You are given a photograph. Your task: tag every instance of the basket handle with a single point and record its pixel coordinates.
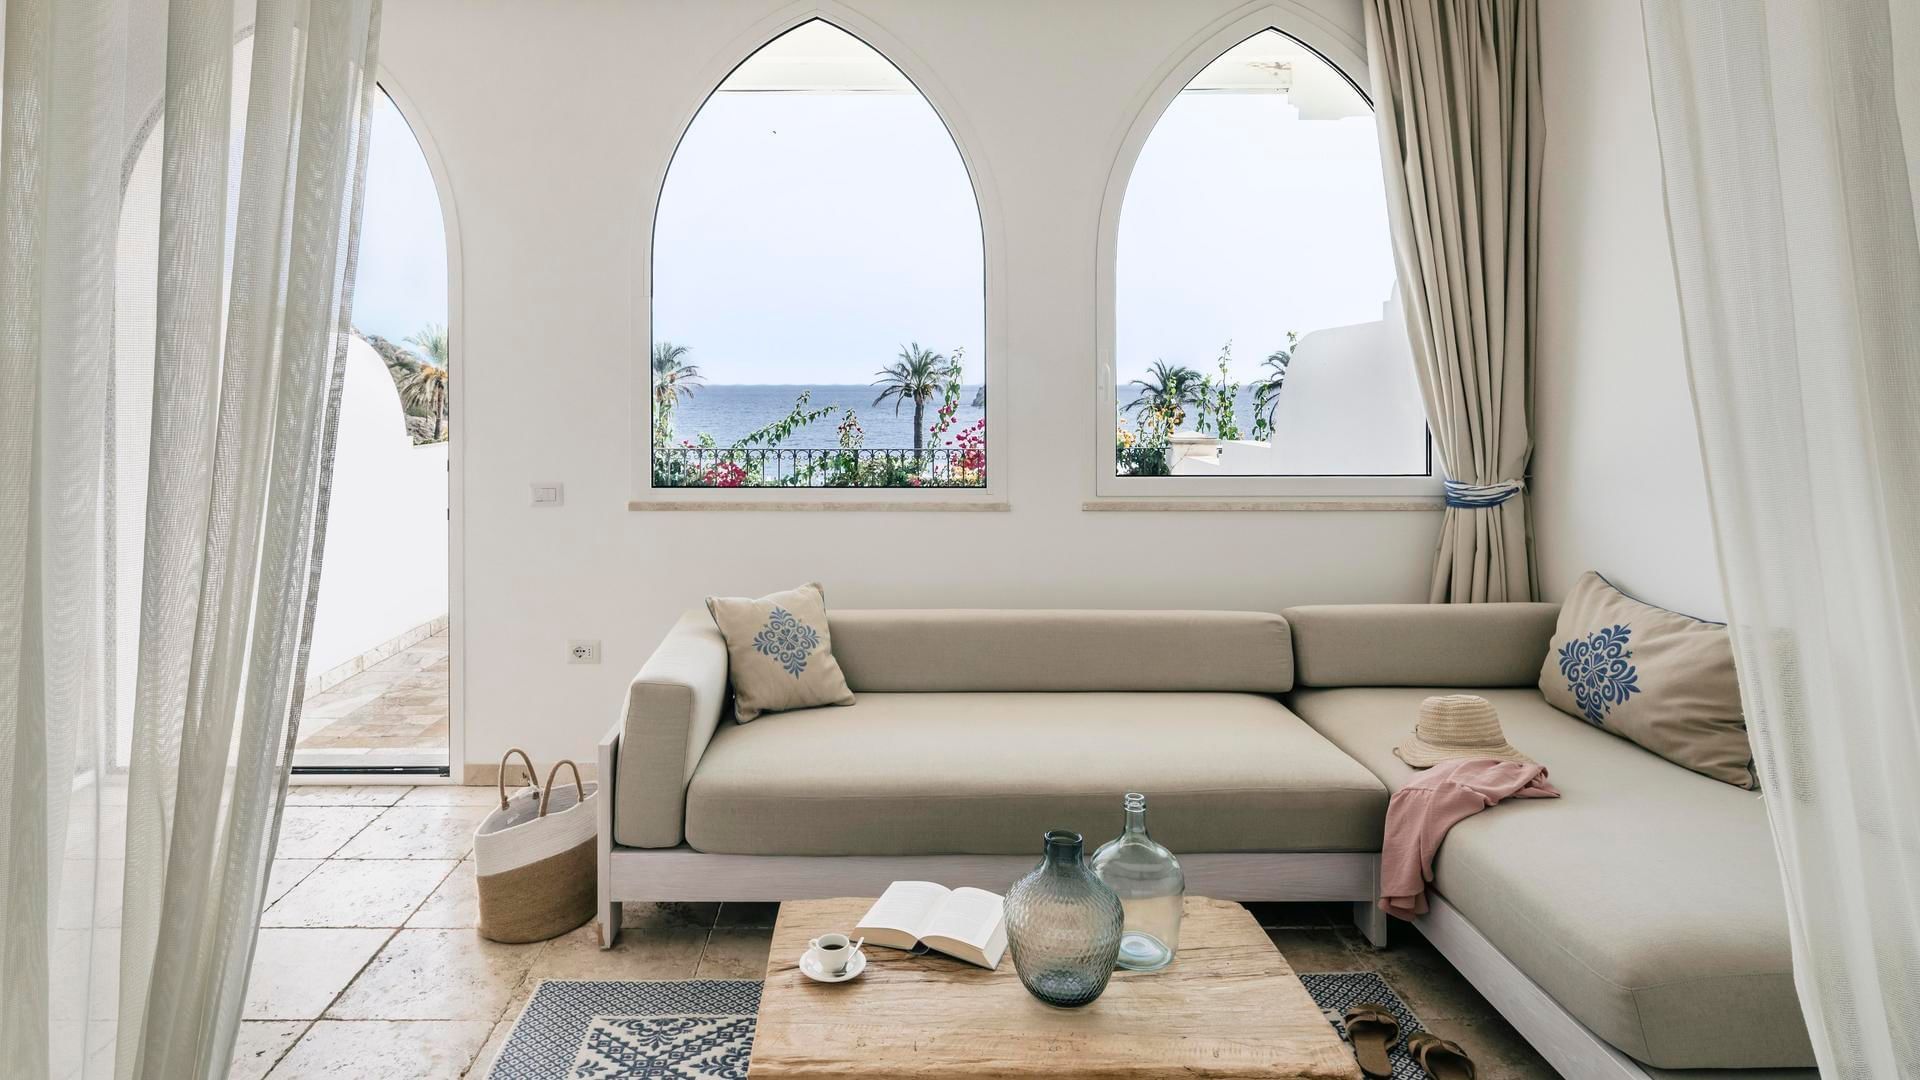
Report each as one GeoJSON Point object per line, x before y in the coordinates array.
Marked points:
{"type": "Point", "coordinates": [579, 787]}
{"type": "Point", "coordinates": [533, 774]}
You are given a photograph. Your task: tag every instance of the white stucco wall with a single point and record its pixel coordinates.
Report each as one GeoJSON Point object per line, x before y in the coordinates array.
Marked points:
{"type": "Point", "coordinates": [545, 167]}
{"type": "Point", "coordinates": [385, 567]}
{"type": "Point", "coordinates": [1618, 484]}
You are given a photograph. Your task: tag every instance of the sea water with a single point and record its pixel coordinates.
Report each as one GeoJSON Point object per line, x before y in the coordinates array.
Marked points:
{"type": "Point", "coordinates": [730, 411]}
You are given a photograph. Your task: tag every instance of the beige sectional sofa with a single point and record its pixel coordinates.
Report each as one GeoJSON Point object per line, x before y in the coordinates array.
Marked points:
{"type": "Point", "coordinates": [1633, 927]}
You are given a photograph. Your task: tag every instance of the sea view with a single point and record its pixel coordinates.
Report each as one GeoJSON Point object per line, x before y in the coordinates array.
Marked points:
{"type": "Point", "coordinates": [729, 411]}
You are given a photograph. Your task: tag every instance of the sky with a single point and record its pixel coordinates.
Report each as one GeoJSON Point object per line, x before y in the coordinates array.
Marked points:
{"type": "Point", "coordinates": [400, 284]}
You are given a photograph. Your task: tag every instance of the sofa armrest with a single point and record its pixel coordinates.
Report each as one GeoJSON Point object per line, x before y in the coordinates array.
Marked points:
{"type": "Point", "coordinates": [1450, 645]}
{"type": "Point", "coordinates": [673, 708]}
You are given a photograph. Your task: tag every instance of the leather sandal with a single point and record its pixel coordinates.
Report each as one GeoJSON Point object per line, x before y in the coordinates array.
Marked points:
{"type": "Point", "coordinates": [1372, 1030]}
{"type": "Point", "coordinates": [1441, 1058]}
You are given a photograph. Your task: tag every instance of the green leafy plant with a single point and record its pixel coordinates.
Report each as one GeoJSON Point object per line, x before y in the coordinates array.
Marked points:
{"type": "Point", "coordinates": [673, 379]}
{"type": "Point", "coordinates": [1266, 390]}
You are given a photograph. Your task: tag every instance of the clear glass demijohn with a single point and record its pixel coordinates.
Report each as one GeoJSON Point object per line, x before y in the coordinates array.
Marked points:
{"type": "Point", "coordinates": [1151, 886]}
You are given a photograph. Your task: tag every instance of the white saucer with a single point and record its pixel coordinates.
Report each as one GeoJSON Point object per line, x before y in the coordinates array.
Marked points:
{"type": "Point", "coordinates": [854, 967]}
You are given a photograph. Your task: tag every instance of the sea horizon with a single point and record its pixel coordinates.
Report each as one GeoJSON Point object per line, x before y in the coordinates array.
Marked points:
{"type": "Point", "coordinates": [729, 411]}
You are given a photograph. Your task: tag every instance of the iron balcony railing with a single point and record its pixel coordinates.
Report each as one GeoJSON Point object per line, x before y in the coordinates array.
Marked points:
{"type": "Point", "coordinates": [700, 466]}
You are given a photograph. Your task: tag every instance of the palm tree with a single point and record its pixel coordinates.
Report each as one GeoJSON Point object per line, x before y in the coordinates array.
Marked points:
{"type": "Point", "coordinates": [1165, 394]}
{"type": "Point", "coordinates": [917, 376]}
{"type": "Point", "coordinates": [1266, 389]}
{"type": "Point", "coordinates": [425, 393]}
{"type": "Point", "coordinates": [423, 390]}
{"type": "Point", "coordinates": [432, 340]}
{"type": "Point", "coordinates": [672, 379]}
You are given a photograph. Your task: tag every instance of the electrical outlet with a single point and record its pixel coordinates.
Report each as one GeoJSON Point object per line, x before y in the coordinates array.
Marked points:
{"type": "Point", "coordinates": [583, 651]}
{"type": "Point", "coordinates": [549, 493]}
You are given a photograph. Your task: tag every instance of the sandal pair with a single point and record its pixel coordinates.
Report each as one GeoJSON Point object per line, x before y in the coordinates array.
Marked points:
{"type": "Point", "coordinates": [1373, 1030]}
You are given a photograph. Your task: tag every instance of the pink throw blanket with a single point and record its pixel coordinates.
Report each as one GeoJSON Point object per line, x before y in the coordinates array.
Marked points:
{"type": "Point", "coordinates": [1439, 798]}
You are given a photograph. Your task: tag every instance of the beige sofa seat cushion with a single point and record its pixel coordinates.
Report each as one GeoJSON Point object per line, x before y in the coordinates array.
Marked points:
{"type": "Point", "coordinates": [1013, 650]}
{"type": "Point", "coordinates": [1646, 899]}
{"type": "Point", "coordinates": [983, 774]}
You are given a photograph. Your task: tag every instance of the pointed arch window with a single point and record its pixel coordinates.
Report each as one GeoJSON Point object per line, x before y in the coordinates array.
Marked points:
{"type": "Point", "coordinates": [817, 283]}
{"type": "Point", "coordinates": [1257, 344]}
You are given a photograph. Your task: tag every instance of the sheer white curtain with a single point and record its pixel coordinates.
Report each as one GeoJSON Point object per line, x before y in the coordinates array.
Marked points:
{"type": "Point", "coordinates": [1790, 192]}
{"type": "Point", "coordinates": [136, 831]}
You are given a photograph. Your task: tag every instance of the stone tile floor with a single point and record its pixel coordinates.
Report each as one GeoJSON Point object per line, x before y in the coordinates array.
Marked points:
{"type": "Point", "coordinates": [368, 964]}
{"type": "Point", "coordinates": [398, 705]}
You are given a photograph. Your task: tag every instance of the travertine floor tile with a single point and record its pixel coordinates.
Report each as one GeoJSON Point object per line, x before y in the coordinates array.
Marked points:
{"type": "Point", "coordinates": [453, 906]}
{"type": "Point", "coordinates": [286, 874]}
{"type": "Point", "coordinates": [650, 915]}
{"type": "Point", "coordinates": [652, 953]}
{"type": "Point", "coordinates": [344, 795]}
{"type": "Point", "coordinates": [260, 1044]}
{"type": "Point", "coordinates": [483, 1061]}
{"type": "Point", "coordinates": [436, 975]}
{"type": "Point", "coordinates": [1428, 983]}
{"type": "Point", "coordinates": [359, 892]}
{"type": "Point", "coordinates": [1316, 950]}
{"type": "Point", "coordinates": [296, 973]}
{"type": "Point", "coordinates": [1498, 1051]}
{"type": "Point", "coordinates": [386, 1049]}
{"type": "Point", "coordinates": [736, 954]}
{"type": "Point", "coordinates": [316, 832]}
{"type": "Point", "coordinates": [453, 795]}
{"type": "Point", "coordinates": [417, 832]}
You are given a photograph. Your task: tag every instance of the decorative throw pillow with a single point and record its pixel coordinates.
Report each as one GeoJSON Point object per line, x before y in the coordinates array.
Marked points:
{"type": "Point", "coordinates": [1653, 676]}
{"type": "Point", "coordinates": [778, 654]}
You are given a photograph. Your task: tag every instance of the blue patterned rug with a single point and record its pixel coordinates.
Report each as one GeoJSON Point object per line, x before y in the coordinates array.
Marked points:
{"type": "Point", "coordinates": [703, 1029]}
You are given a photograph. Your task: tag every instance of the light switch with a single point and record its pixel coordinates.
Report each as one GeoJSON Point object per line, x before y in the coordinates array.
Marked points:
{"type": "Point", "coordinates": [549, 494]}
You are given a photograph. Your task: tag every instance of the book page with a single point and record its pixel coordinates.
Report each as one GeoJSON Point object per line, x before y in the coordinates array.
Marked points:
{"type": "Point", "coordinates": [969, 915]}
{"type": "Point", "coordinates": [902, 912]}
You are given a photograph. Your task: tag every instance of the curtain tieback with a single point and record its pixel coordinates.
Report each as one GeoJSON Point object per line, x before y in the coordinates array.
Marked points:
{"type": "Point", "coordinates": [1480, 496]}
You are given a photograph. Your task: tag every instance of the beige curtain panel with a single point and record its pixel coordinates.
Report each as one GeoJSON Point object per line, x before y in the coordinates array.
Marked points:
{"type": "Point", "coordinates": [1456, 89]}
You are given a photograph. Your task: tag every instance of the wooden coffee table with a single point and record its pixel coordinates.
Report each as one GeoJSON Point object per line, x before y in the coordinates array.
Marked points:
{"type": "Point", "coordinates": [1228, 1007]}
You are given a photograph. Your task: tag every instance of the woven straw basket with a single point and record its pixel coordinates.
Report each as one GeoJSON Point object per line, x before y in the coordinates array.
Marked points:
{"type": "Point", "coordinates": [533, 859]}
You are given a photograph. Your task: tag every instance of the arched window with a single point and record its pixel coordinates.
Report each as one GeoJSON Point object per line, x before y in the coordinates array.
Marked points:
{"type": "Point", "coordinates": [389, 480]}
{"type": "Point", "coordinates": [1257, 332]}
{"type": "Point", "coordinates": [818, 311]}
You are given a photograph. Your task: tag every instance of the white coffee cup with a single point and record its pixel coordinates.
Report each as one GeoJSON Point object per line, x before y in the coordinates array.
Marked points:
{"type": "Point", "coordinates": [831, 953]}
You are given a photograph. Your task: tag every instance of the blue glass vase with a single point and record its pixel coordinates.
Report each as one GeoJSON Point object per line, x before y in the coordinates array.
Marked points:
{"type": "Point", "coordinates": [1063, 926]}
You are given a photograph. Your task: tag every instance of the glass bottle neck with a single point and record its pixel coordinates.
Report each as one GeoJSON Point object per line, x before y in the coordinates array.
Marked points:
{"type": "Point", "coordinates": [1063, 850]}
{"type": "Point", "coordinates": [1136, 821]}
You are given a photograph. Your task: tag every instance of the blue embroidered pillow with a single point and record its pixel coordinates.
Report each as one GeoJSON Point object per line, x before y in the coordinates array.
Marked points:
{"type": "Point", "coordinates": [1660, 678]}
{"type": "Point", "coordinates": [779, 654]}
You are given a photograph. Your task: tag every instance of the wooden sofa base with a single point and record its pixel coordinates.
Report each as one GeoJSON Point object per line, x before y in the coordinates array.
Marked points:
{"type": "Point", "coordinates": [682, 874]}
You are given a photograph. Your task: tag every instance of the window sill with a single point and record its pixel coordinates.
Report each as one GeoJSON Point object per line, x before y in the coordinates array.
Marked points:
{"type": "Point", "coordinates": [1267, 504]}
{"type": "Point", "coordinates": [870, 506]}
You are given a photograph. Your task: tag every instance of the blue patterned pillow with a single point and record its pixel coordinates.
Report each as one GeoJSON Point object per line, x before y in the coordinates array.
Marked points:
{"type": "Point", "coordinates": [1660, 678]}
{"type": "Point", "coordinates": [779, 654]}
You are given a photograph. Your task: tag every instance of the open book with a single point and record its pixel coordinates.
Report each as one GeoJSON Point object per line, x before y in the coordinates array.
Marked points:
{"type": "Point", "coordinates": [967, 924]}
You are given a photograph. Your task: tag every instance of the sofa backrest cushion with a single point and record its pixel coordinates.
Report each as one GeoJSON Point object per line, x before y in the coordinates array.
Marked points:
{"type": "Point", "coordinates": [1467, 645]}
{"type": "Point", "coordinates": [968, 650]}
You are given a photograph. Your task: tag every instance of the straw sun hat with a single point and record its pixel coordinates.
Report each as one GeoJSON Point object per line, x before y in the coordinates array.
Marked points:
{"type": "Point", "coordinates": [1456, 726]}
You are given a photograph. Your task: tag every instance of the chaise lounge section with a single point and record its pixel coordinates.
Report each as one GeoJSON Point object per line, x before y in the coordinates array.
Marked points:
{"type": "Point", "coordinates": [1635, 925]}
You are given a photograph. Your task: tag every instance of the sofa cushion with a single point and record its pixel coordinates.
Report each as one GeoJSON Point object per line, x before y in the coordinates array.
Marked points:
{"type": "Point", "coordinates": [1663, 679]}
{"type": "Point", "coordinates": [1016, 650]}
{"type": "Point", "coordinates": [1451, 645]}
{"type": "Point", "coordinates": [1646, 899]}
{"type": "Point", "coordinates": [987, 774]}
